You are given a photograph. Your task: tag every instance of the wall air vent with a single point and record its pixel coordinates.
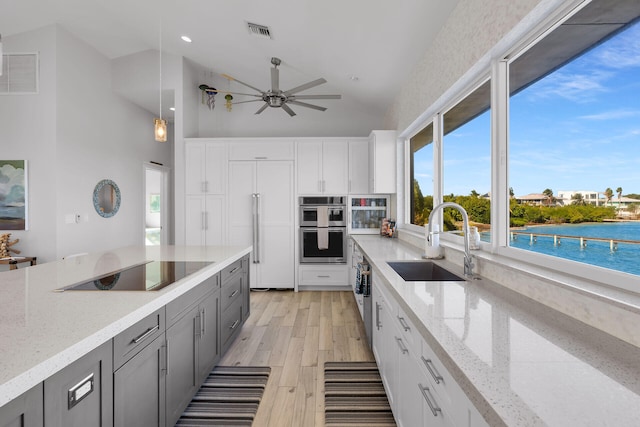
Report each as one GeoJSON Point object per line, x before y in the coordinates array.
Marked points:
{"type": "Point", "coordinates": [259, 30]}
{"type": "Point", "coordinates": [19, 74]}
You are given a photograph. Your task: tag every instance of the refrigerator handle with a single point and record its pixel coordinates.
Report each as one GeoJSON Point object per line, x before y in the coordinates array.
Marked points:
{"type": "Point", "coordinates": [256, 228]}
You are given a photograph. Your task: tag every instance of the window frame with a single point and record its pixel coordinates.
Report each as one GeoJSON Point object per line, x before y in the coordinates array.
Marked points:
{"type": "Point", "coordinates": [495, 66]}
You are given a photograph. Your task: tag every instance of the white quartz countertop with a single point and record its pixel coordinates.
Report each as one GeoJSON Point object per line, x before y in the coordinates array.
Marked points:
{"type": "Point", "coordinates": [521, 363]}
{"type": "Point", "coordinates": [43, 331]}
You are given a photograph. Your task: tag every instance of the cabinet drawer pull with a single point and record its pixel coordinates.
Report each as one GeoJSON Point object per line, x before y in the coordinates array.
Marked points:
{"type": "Point", "coordinates": [326, 276]}
{"type": "Point", "coordinates": [426, 393]}
{"type": "Point", "coordinates": [378, 324]}
{"type": "Point", "coordinates": [404, 349]}
{"type": "Point", "coordinates": [145, 335]}
{"type": "Point", "coordinates": [403, 323]}
{"type": "Point", "coordinates": [234, 270]}
{"type": "Point", "coordinates": [234, 293]}
{"type": "Point", "coordinates": [432, 370]}
{"type": "Point", "coordinates": [202, 322]}
{"type": "Point", "coordinates": [234, 324]}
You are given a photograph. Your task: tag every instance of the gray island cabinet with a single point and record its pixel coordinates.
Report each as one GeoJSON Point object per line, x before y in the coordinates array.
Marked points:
{"type": "Point", "coordinates": [146, 373]}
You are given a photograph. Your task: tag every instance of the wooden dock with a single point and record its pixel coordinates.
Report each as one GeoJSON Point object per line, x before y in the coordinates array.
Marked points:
{"type": "Point", "coordinates": [557, 238]}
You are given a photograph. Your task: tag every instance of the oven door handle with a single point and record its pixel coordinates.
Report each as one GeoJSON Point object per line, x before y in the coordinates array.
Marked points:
{"type": "Point", "coordinates": [256, 228]}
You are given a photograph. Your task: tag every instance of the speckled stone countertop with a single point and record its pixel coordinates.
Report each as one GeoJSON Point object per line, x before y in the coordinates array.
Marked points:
{"type": "Point", "coordinates": [520, 362]}
{"type": "Point", "coordinates": [43, 331]}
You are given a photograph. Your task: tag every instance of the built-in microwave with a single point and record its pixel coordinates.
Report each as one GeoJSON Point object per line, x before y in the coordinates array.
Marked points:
{"type": "Point", "coordinates": [335, 206]}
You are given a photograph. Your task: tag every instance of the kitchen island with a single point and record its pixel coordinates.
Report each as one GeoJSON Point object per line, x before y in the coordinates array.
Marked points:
{"type": "Point", "coordinates": [517, 361]}
{"type": "Point", "coordinates": [43, 330]}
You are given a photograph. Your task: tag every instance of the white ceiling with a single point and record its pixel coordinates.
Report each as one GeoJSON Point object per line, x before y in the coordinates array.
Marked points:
{"type": "Point", "coordinates": [379, 41]}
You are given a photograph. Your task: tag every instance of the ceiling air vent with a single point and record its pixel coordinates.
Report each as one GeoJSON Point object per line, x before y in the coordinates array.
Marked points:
{"type": "Point", "coordinates": [19, 73]}
{"type": "Point", "coordinates": [259, 30]}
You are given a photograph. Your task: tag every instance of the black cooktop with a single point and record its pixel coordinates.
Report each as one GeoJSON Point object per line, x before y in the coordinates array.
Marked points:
{"type": "Point", "coordinates": [150, 276]}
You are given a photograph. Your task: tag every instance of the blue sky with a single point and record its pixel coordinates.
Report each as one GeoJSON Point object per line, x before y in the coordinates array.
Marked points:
{"type": "Point", "coordinates": [576, 129]}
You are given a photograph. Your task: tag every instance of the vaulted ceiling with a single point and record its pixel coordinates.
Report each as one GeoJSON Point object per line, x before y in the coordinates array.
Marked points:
{"type": "Point", "coordinates": [365, 49]}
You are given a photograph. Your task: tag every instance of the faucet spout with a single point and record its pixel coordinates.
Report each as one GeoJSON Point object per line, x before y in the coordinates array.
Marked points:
{"type": "Point", "coordinates": [468, 261]}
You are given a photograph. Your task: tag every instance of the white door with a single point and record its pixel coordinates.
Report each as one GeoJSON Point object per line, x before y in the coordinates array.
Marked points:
{"type": "Point", "coordinates": [273, 181]}
{"type": "Point", "coordinates": [242, 184]}
{"type": "Point", "coordinates": [275, 186]}
{"type": "Point", "coordinates": [156, 208]}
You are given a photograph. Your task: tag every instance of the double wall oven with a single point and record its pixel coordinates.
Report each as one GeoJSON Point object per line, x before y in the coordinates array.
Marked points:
{"type": "Point", "coordinates": [323, 230]}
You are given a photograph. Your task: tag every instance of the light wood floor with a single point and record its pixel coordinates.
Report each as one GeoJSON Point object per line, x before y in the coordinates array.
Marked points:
{"type": "Point", "coordinates": [294, 334]}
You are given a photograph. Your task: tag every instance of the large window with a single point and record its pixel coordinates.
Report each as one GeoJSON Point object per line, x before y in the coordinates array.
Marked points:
{"type": "Point", "coordinates": [574, 138]}
{"type": "Point", "coordinates": [422, 173]}
{"type": "Point", "coordinates": [466, 156]}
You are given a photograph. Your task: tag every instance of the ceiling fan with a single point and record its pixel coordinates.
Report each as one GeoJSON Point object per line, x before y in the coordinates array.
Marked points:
{"type": "Point", "coordinates": [277, 98]}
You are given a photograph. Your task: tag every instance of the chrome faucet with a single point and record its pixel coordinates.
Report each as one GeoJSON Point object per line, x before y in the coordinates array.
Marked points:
{"type": "Point", "coordinates": [468, 261]}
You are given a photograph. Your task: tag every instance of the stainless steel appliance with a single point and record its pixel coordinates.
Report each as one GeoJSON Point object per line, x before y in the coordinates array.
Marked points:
{"type": "Point", "coordinates": [362, 291]}
{"type": "Point", "coordinates": [323, 230]}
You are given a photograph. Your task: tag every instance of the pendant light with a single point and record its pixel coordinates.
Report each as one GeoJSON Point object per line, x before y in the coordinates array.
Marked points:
{"type": "Point", "coordinates": [160, 125]}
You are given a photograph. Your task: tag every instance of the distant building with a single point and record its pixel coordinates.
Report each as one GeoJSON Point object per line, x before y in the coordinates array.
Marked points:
{"type": "Point", "coordinates": [536, 199]}
{"type": "Point", "coordinates": [590, 197]}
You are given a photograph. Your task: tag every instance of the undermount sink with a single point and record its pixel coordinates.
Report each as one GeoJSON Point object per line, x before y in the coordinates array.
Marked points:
{"type": "Point", "coordinates": [423, 271]}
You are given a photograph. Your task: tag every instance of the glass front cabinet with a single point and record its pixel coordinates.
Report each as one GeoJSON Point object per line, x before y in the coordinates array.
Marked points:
{"type": "Point", "coordinates": [366, 213]}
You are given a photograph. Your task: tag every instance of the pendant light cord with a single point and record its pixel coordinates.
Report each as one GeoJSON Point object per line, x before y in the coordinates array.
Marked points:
{"type": "Point", "coordinates": [160, 65]}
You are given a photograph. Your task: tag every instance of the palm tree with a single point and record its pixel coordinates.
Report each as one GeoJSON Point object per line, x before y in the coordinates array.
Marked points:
{"type": "Point", "coordinates": [608, 193]}
{"type": "Point", "coordinates": [578, 199]}
{"type": "Point", "coordinates": [619, 191]}
{"type": "Point", "coordinates": [549, 195]}
{"type": "Point", "coordinates": [511, 192]}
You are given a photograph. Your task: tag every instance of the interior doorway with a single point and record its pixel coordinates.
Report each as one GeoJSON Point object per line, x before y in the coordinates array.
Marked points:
{"type": "Point", "coordinates": [156, 212]}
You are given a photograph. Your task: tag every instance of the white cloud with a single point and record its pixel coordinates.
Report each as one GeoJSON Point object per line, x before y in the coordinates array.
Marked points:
{"type": "Point", "coordinates": [612, 115]}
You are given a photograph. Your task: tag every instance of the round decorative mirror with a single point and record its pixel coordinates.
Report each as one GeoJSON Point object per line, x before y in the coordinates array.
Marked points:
{"type": "Point", "coordinates": [106, 198]}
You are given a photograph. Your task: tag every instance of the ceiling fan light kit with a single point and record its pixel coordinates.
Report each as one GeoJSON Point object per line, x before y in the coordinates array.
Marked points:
{"type": "Point", "coordinates": [277, 98]}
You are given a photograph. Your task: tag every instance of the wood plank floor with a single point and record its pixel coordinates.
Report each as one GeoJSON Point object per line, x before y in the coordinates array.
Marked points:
{"type": "Point", "coordinates": [295, 333]}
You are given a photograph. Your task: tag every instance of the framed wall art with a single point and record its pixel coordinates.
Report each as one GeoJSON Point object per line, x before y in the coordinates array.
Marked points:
{"type": "Point", "coordinates": [13, 194]}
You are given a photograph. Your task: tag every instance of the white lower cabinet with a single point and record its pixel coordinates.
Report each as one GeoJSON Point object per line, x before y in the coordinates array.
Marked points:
{"type": "Point", "coordinates": [421, 392]}
{"type": "Point", "coordinates": [384, 343]}
{"type": "Point", "coordinates": [205, 220]}
{"type": "Point", "coordinates": [323, 277]}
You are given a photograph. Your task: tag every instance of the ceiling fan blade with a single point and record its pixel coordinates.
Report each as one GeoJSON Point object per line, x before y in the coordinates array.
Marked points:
{"type": "Point", "coordinates": [262, 108]}
{"type": "Point", "coordinates": [316, 97]}
{"type": "Point", "coordinates": [275, 80]}
{"type": "Point", "coordinates": [226, 76]}
{"type": "Point", "coordinates": [286, 108]}
{"type": "Point", "coordinates": [240, 93]}
{"type": "Point", "coordinates": [304, 86]}
{"type": "Point", "coordinates": [243, 102]}
{"type": "Point", "coordinates": [304, 104]}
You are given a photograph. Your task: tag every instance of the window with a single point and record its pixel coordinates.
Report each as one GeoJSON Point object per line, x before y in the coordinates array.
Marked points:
{"type": "Point", "coordinates": [422, 172]}
{"type": "Point", "coordinates": [574, 136]}
{"type": "Point", "coordinates": [467, 160]}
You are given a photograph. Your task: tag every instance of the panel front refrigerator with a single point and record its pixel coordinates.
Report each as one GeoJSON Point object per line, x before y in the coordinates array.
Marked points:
{"type": "Point", "coordinates": [366, 213]}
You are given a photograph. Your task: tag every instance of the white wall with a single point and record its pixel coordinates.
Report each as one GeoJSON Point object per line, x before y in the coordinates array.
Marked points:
{"type": "Point", "coordinates": [73, 134]}
{"type": "Point", "coordinates": [472, 30]}
{"type": "Point", "coordinates": [28, 131]}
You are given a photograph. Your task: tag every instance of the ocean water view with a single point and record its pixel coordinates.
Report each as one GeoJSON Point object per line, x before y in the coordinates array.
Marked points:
{"type": "Point", "coordinates": [625, 258]}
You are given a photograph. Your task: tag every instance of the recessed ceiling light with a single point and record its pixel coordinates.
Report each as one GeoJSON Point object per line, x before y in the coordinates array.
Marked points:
{"type": "Point", "coordinates": [172, 108]}
{"type": "Point", "coordinates": [186, 39]}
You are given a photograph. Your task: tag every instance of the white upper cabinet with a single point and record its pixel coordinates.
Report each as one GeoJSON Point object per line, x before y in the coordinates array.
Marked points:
{"type": "Point", "coordinates": [335, 166]}
{"type": "Point", "coordinates": [359, 166]}
{"type": "Point", "coordinates": [261, 149]}
{"type": "Point", "coordinates": [382, 161]}
{"type": "Point", "coordinates": [323, 166]}
{"type": "Point", "coordinates": [206, 167]}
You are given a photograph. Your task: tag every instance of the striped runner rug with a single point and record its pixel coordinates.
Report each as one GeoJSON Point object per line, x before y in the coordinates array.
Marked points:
{"type": "Point", "coordinates": [354, 395]}
{"type": "Point", "coordinates": [229, 397]}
